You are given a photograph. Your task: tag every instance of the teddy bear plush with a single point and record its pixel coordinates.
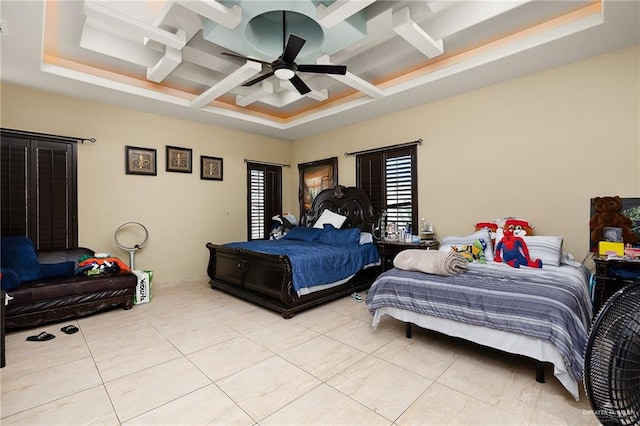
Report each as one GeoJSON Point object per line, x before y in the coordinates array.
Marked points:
{"type": "Point", "coordinates": [608, 214]}
{"type": "Point", "coordinates": [514, 251]}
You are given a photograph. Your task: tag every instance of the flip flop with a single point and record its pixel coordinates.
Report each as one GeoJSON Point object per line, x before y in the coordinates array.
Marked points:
{"type": "Point", "coordinates": [69, 329]}
{"type": "Point", "coordinates": [44, 336]}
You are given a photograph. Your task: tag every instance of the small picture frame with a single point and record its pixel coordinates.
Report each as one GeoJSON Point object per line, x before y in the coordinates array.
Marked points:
{"type": "Point", "coordinates": [179, 159]}
{"type": "Point", "coordinates": [612, 234]}
{"type": "Point", "coordinates": [210, 168]}
{"type": "Point", "coordinates": [140, 161]}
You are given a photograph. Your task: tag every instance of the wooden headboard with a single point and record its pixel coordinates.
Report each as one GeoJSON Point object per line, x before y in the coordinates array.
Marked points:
{"type": "Point", "coordinates": [351, 202]}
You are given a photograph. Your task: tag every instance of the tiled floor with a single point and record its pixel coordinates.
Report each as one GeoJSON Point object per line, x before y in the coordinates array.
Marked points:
{"type": "Point", "coordinates": [197, 356]}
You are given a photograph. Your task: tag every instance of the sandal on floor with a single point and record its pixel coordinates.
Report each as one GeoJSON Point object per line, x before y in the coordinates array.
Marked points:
{"type": "Point", "coordinates": [356, 296]}
{"type": "Point", "coordinates": [42, 337]}
{"type": "Point", "coordinates": [69, 329]}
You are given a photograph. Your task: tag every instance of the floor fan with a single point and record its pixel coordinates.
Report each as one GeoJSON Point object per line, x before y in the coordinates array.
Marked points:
{"type": "Point", "coordinates": [612, 360]}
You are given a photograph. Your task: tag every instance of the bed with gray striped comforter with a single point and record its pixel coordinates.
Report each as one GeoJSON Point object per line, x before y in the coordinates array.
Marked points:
{"type": "Point", "coordinates": [551, 304]}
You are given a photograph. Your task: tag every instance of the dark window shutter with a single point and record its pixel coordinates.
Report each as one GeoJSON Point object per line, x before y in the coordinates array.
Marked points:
{"type": "Point", "coordinates": [389, 177]}
{"type": "Point", "coordinates": [39, 190]}
{"type": "Point", "coordinates": [264, 198]}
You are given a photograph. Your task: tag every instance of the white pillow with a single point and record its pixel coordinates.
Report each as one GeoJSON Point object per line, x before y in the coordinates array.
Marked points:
{"type": "Point", "coordinates": [366, 238]}
{"type": "Point", "coordinates": [328, 216]}
{"type": "Point", "coordinates": [544, 247]}
{"type": "Point", "coordinates": [481, 234]}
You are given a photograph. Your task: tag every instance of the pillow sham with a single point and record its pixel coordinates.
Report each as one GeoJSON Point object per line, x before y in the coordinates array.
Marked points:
{"type": "Point", "coordinates": [339, 237]}
{"type": "Point", "coordinates": [303, 233]}
{"type": "Point", "coordinates": [481, 234]}
{"type": "Point", "coordinates": [366, 238]}
{"type": "Point", "coordinates": [328, 216]}
{"type": "Point", "coordinates": [544, 247]}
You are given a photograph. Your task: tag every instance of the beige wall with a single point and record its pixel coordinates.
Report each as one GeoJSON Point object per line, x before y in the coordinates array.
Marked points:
{"type": "Point", "coordinates": [181, 212]}
{"type": "Point", "coordinates": [538, 147]}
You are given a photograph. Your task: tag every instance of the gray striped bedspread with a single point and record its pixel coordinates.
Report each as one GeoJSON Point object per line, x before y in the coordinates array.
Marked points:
{"type": "Point", "coordinates": [551, 304]}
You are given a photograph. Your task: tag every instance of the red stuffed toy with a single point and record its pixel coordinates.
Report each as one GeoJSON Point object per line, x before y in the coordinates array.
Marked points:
{"type": "Point", "coordinates": [514, 251]}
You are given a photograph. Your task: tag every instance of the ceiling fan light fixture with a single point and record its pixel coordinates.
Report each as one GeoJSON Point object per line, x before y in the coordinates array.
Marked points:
{"type": "Point", "coordinates": [284, 73]}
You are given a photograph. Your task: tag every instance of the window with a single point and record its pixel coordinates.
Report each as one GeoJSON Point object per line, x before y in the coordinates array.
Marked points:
{"type": "Point", "coordinates": [38, 189]}
{"type": "Point", "coordinates": [389, 177]}
{"type": "Point", "coordinates": [264, 198]}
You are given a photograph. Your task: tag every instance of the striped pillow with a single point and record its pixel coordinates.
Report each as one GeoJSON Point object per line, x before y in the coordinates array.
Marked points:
{"type": "Point", "coordinates": [543, 247]}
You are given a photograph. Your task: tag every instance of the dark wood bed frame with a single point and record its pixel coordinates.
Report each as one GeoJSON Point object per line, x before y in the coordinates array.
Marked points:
{"type": "Point", "coordinates": [267, 279]}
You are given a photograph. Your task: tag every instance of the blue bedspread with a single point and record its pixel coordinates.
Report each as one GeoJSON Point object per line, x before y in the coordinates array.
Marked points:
{"type": "Point", "coordinates": [314, 263]}
{"type": "Point", "coordinates": [550, 304]}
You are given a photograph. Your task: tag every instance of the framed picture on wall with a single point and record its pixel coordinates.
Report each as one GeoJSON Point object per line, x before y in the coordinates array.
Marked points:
{"type": "Point", "coordinates": [140, 161]}
{"type": "Point", "coordinates": [178, 159]}
{"type": "Point", "coordinates": [314, 177]}
{"type": "Point", "coordinates": [210, 168]}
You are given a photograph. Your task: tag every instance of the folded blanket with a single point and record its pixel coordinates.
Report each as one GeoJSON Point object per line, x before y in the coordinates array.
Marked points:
{"type": "Point", "coordinates": [431, 262]}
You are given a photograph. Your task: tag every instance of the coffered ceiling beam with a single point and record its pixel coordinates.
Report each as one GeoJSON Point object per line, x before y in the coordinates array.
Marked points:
{"type": "Point", "coordinates": [166, 65]}
{"type": "Point", "coordinates": [105, 14]}
{"type": "Point", "coordinates": [338, 11]}
{"type": "Point", "coordinates": [172, 17]}
{"type": "Point", "coordinates": [404, 26]}
{"type": "Point", "coordinates": [214, 11]}
{"type": "Point", "coordinates": [354, 81]}
{"type": "Point", "coordinates": [108, 44]}
{"type": "Point", "coordinates": [242, 74]}
{"type": "Point", "coordinates": [266, 89]}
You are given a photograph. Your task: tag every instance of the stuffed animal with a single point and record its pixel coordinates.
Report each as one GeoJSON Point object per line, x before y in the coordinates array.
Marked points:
{"type": "Point", "coordinates": [514, 251]}
{"type": "Point", "coordinates": [473, 251]}
{"type": "Point", "coordinates": [608, 214]}
{"type": "Point", "coordinates": [491, 226]}
{"type": "Point", "coordinates": [520, 227]}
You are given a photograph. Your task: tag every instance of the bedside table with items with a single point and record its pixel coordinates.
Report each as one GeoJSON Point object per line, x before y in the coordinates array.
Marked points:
{"type": "Point", "coordinates": [612, 275]}
{"type": "Point", "coordinates": [390, 248]}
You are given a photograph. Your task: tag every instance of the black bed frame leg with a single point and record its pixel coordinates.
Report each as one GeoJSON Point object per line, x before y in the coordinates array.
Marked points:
{"type": "Point", "coordinates": [408, 332]}
{"type": "Point", "coordinates": [539, 372]}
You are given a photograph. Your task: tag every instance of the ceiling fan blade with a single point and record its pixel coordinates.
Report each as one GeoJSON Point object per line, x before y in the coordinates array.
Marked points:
{"type": "Point", "coordinates": [324, 69]}
{"type": "Point", "coordinates": [294, 45]}
{"type": "Point", "coordinates": [300, 85]}
{"type": "Point", "coordinates": [233, 55]}
{"type": "Point", "coordinates": [258, 79]}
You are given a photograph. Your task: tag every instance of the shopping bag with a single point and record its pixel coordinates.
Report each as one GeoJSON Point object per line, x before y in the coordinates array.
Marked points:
{"type": "Point", "coordinates": [143, 288]}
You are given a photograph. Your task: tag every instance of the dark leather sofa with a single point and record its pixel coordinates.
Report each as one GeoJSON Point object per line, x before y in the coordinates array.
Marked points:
{"type": "Point", "coordinates": [51, 300]}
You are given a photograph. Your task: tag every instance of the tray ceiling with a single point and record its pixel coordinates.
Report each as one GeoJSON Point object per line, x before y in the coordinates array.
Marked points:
{"type": "Point", "coordinates": [167, 56]}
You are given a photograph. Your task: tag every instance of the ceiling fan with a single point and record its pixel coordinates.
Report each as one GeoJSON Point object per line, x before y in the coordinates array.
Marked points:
{"type": "Point", "coordinates": [284, 66]}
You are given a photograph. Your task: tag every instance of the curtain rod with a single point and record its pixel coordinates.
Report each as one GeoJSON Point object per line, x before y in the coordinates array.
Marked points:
{"type": "Point", "coordinates": [384, 148]}
{"type": "Point", "coordinates": [266, 163]}
{"type": "Point", "coordinates": [50, 136]}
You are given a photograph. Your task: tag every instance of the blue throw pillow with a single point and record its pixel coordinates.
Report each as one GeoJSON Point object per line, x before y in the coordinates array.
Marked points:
{"type": "Point", "coordinates": [55, 270]}
{"type": "Point", "coordinates": [9, 280]}
{"type": "Point", "coordinates": [303, 233]}
{"type": "Point", "coordinates": [19, 254]}
{"type": "Point", "coordinates": [339, 237]}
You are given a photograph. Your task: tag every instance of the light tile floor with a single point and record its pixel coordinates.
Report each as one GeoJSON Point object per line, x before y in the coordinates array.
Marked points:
{"type": "Point", "coordinates": [199, 356]}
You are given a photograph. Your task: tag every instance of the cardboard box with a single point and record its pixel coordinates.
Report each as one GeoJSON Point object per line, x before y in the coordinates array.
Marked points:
{"type": "Point", "coordinates": [143, 288]}
{"type": "Point", "coordinates": [610, 248]}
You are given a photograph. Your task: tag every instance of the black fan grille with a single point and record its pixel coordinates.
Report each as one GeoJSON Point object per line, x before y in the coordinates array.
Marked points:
{"type": "Point", "coordinates": [612, 360]}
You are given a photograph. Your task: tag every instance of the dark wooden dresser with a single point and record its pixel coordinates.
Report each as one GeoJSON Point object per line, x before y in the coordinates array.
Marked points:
{"type": "Point", "coordinates": [612, 275]}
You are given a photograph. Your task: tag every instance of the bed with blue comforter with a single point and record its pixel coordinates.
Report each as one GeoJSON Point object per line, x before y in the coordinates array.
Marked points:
{"type": "Point", "coordinates": [542, 313]}
{"type": "Point", "coordinates": [311, 265]}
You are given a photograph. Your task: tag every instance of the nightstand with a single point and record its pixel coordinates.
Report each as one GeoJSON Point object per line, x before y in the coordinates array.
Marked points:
{"type": "Point", "coordinates": [390, 248]}
{"type": "Point", "coordinates": [611, 276]}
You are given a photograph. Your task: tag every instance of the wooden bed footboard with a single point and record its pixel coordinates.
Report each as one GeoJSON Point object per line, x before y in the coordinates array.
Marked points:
{"type": "Point", "coordinates": [267, 280]}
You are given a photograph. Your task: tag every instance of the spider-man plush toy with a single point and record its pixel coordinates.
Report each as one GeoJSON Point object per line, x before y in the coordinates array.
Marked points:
{"type": "Point", "coordinates": [514, 251]}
